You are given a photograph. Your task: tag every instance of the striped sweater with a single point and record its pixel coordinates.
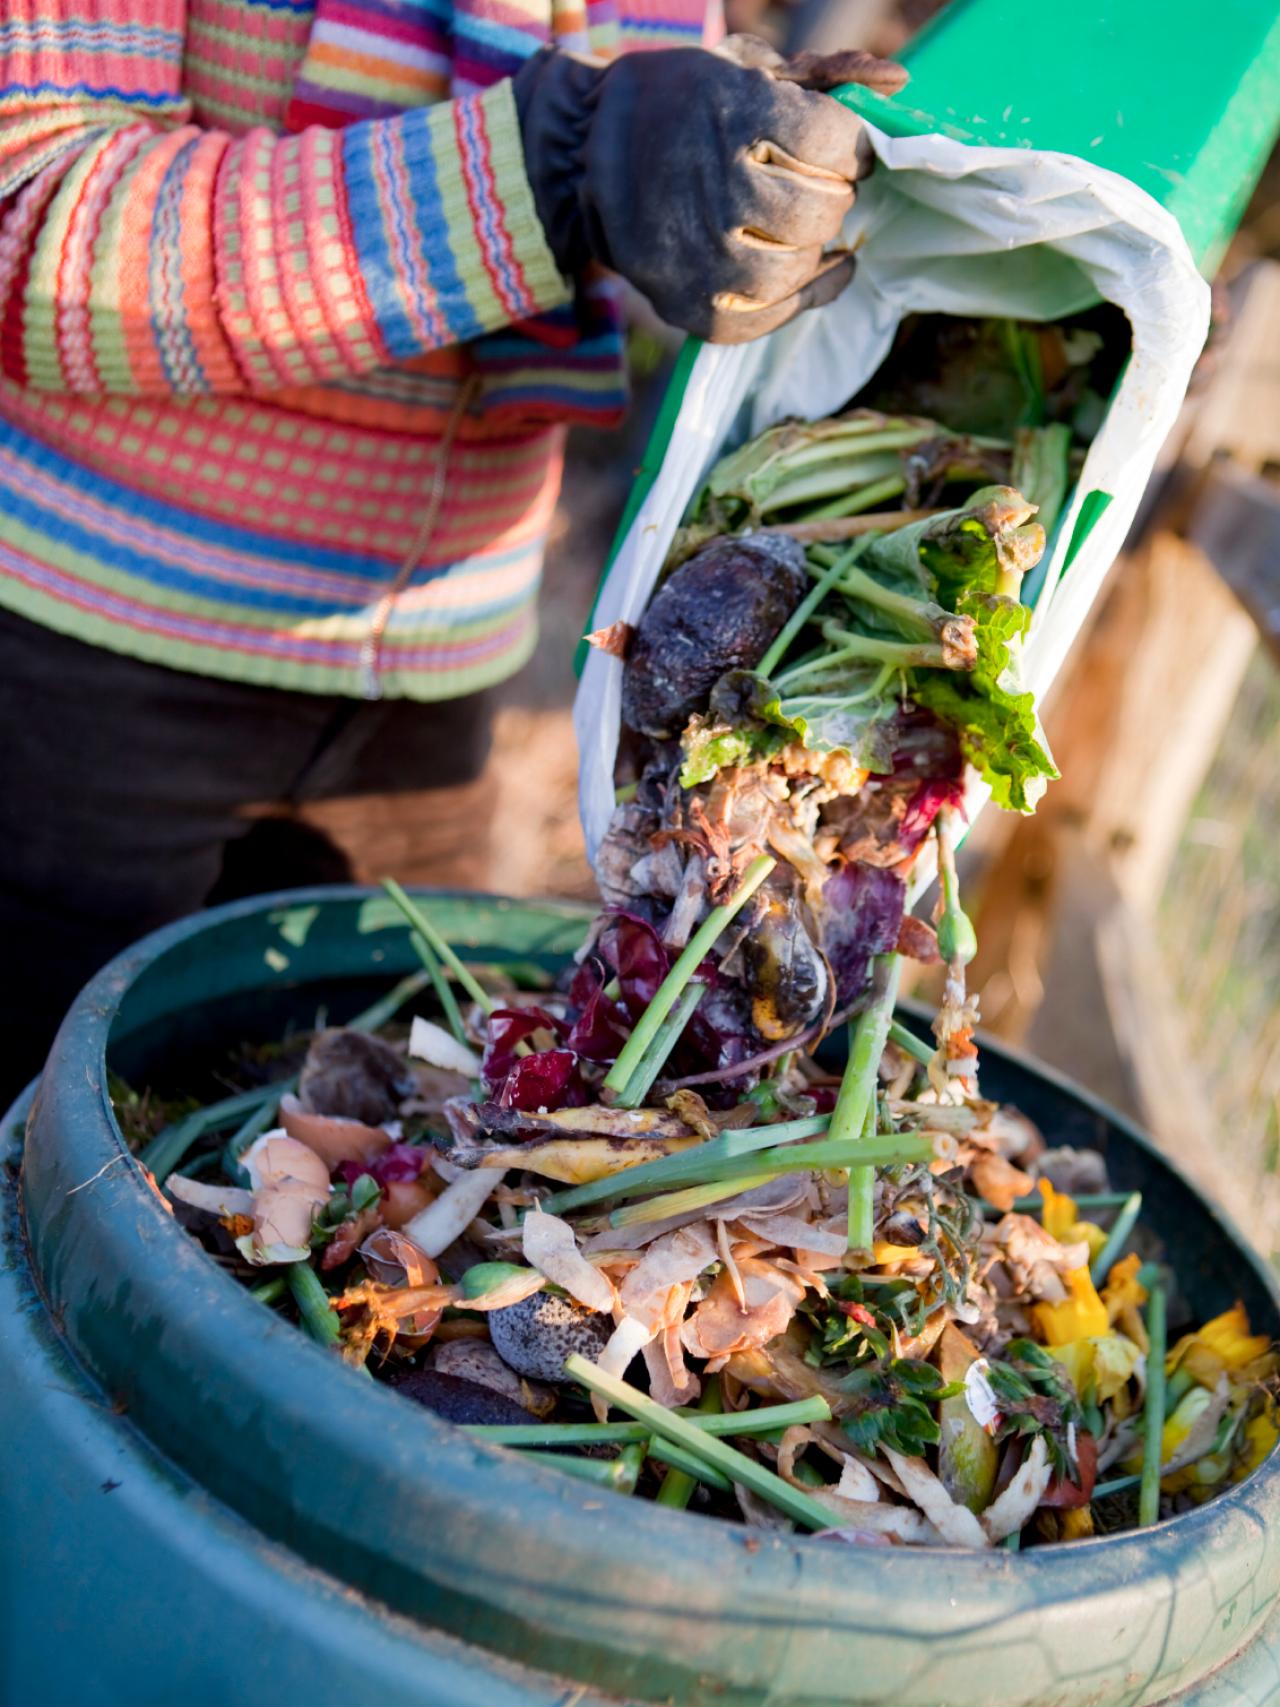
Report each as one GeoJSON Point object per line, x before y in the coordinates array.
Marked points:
{"type": "Point", "coordinates": [284, 357]}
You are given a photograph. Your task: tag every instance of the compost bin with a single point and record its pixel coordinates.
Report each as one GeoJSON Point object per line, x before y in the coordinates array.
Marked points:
{"type": "Point", "coordinates": [203, 1505]}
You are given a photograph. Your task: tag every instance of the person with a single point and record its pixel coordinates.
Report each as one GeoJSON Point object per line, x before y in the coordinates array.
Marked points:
{"type": "Point", "coordinates": [296, 299]}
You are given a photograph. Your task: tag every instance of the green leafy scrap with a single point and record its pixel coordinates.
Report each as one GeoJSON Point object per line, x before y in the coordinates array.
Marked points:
{"type": "Point", "coordinates": [893, 1404]}
{"type": "Point", "coordinates": [1035, 1396]}
{"type": "Point", "coordinates": [748, 721]}
{"type": "Point", "coordinates": [991, 713]}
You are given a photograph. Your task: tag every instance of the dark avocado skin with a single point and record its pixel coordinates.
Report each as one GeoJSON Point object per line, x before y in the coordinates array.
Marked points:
{"type": "Point", "coordinates": [716, 612]}
{"type": "Point", "coordinates": [459, 1400]}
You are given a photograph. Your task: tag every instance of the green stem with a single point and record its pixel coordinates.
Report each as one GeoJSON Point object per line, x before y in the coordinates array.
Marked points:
{"type": "Point", "coordinates": [1041, 470]}
{"type": "Point", "coordinates": [678, 1484]}
{"type": "Point", "coordinates": [1116, 1239]}
{"type": "Point", "coordinates": [835, 475]}
{"type": "Point", "coordinates": [618, 1474]}
{"type": "Point", "coordinates": [865, 498]}
{"type": "Point", "coordinates": [1087, 1200]}
{"type": "Point", "coordinates": [687, 1166]}
{"type": "Point", "coordinates": [318, 1316]}
{"type": "Point", "coordinates": [700, 945]}
{"type": "Point", "coordinates": [917, 616]}
{"type": "Point", "coordinates": [868, 649]}
{"type": "Point", "coordinates": [763, 1420]}
{"type": "Point", "coordinates": [440, 984]}
{"type": "Point", "coordinates": [685, 1471]}
{"type": "Point", "coordinates": [805, 609]}
{"type": "Point", "coordinates": [855, 1111]}
{"type": "Point", "coordinates": [862, 1195]}
{"type": "Point", "coordinates": [855, 439]}
{"type": "Point", "coordinates": [269, 1291]}
{"type": "Point", "coordinates": [422, 924]}
{"type": "Point", "coordinates": [867, 1037]}
{"type": "Point", "coordinates": [957, 939]}
{"type": "Point", "coordinates": [910, 1044]}
{"type": "Point", "coordinates": [737, 1176]}
{"type": "Point", "coordinates": [678, 1431]}
{"type": "Point", "coordinates": [655, 1059]}
{"type": "Point", "coordinates": [683, 1202]}
{"type": "Point", "coordinates": [1117, 1486]}
{"type": "Point", "coordinates": [1149, 1495]}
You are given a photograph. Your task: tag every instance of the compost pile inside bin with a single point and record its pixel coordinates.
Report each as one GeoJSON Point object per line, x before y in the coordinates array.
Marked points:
{"type": "Point", "coordinates": [637, 1223]}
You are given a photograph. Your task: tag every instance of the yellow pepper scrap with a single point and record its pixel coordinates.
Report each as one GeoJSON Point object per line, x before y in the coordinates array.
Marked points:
{"type": "Point", "coordinates": [1081, 1315]}
{"type": "Point", "coordinates": [1076, 1523]}
{"type": "Point", "coordinates": [1104, 1362]}
{"type": "Point", "coordinates": [1123, 1286]}
{"type": "Point", "coordinates": [883, 1252]}
{"type": "Point", "coordinates": [1115, 1358]}
{"type": "Point", "coordinates": [1059, 1212]}
{"type": "Point", "coordinates": [1076, 1357]}
{"type": "Point", "coordinates": [1260, 1435]}
{"type": "Point", "coordinates": [1224, 1343]}
{"type": "Point", "coordinates": [1061, 1219]}
{"type": "Point", "coordinates": [1123, 1296]}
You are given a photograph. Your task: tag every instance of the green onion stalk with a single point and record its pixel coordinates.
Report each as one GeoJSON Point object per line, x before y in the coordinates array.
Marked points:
{"type": "Point", "coordinates": [665, 1039]}
{"type": "Point", "coordinates": [678, 1431]}
{"type": "Point", "coordinates": [851, 648]}
{"type": "Point", "coordinates": [441, 985]}
{"type": "Point", "coordinates": [856, 1102]}
{"type": "Point", "coordinates": [318, 1315]}
{"type": "Point", "coordinates": [1117, 1238]}
{"type": "Point", "coordinates": [619, 1474]}
{"type": "Point", "coordinates": [742, 1173]}
{"type": "Point", "coordinates": [1154, 1409]}
{"type": "Point", "coordinates": [758, 1423]}
{"type": "Point", "coordinates": [420, 923]}
{"type": "Point", "coordinates": [645, 1035]}
{"type": "Point", "coordinates": [689, 1166]}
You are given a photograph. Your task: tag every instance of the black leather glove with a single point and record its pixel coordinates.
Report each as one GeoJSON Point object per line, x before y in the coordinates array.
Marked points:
{"type": "Point", "coordinates": [712, 185]}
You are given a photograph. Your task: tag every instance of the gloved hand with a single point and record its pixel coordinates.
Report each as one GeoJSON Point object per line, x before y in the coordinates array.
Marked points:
{"type": "Point", "coordinates": [712, 182]}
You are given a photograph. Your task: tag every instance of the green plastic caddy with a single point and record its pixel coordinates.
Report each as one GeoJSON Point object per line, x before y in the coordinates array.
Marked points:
{"type": "Point", "coordinates": [1182, 97]}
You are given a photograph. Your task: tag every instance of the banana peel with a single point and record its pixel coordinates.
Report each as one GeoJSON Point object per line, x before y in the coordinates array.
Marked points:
{"type": "Point", "coordinates": [580, 1161]}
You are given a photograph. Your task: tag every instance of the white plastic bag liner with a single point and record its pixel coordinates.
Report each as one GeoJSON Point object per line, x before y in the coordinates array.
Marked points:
{"type": "Point", "coordinates": [947, 228]}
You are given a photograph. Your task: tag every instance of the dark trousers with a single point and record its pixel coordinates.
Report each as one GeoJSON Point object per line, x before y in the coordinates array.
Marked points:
{"type": "Point", "coordinates": [133, 794]}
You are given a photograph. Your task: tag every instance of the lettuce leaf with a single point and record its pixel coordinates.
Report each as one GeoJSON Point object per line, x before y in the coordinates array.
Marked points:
{"type": "Point", "coordinates": [748, 721]}
{"type": "Point", "coordinates": [993, 715]}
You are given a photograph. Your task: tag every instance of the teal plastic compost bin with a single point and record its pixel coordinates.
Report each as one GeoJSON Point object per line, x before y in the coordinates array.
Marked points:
{"type": "Point", "coordinates": [199, 1505]}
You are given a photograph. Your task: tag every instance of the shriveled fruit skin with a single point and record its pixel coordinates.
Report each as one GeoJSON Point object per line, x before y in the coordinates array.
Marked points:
{"type": "Point", "coordinates": [535, 1336]}
{"type": "Point", "coordinates": [459, 1400]}
{"type": "Point", "coordinates": [354, 1076]}
{"type": "Point", "coordinates": [786, 975]}
{"type": "Point", "coordinates": [717, 612]}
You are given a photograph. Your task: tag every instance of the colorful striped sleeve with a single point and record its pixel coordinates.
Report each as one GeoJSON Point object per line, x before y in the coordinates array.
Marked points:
{"type": "Point", "coordinates": [142, 254]}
